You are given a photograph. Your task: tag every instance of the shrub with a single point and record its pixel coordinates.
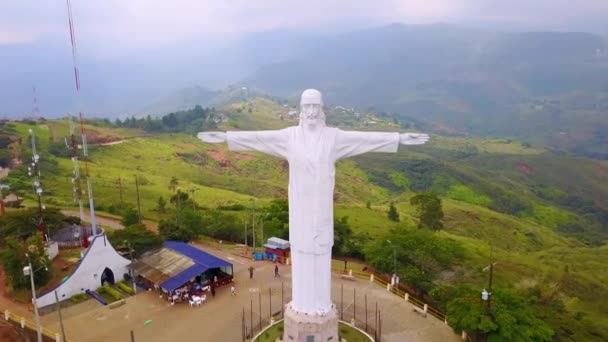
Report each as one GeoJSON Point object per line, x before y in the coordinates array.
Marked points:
{"type": "Point", "coordinates": [112, 292]}
{"type": "Point", "coordinates": [79, 297]}
{"type": "Point", "coordinates": [232, 207]}
{"type": "Point", "coordinates": [124, 287]}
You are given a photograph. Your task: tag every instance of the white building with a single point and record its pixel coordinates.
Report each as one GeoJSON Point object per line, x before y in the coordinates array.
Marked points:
{"type": "Point", "coordinates": [100, 263]}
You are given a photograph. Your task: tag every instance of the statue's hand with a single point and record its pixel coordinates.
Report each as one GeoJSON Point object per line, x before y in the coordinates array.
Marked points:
{"type": "Point", "coordinates": [413, 138]}
{"type": "Point", "coordinates": [212, 137]}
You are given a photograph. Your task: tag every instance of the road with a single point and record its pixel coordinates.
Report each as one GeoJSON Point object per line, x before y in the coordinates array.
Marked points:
{"type": "Point", "coordinates": [220, 318]}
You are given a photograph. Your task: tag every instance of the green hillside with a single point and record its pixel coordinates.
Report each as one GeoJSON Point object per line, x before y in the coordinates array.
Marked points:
{"type": "Point", "coordinates": [543, 217]}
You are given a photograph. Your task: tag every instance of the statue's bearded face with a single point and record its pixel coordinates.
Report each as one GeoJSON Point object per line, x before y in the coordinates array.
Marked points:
{"type": "Point", "coordinates": [310, 111]}
{"type": "Point", "coordinates": [311, 108]}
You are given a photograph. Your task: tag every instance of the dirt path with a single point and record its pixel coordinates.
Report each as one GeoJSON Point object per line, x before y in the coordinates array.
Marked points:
{"type": "Point", "coordinates": [108, 221]}
{"type": "Point", "coordinates": [7, 303]}
{"type": "Point", "coordinates": [113, 143]}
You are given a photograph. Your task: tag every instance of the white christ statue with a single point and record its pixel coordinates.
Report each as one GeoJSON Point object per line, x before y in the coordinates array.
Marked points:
{"type": "Point", "coordinates": [312, 149]}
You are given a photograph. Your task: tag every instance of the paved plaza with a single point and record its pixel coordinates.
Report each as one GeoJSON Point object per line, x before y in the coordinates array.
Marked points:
{"type": "Point", "coordinates": [220, 317]}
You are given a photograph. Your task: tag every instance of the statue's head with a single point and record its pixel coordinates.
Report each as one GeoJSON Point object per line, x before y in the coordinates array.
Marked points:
{"type": "Point", "coordinates": [311, 108]}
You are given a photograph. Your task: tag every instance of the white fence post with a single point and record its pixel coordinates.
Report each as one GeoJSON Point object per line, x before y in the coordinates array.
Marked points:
{"type": "Point", "coordinates": [371, 278]}
{"type": "Point", "coordinates": [406, 297]}
{"type": "Point", "coordinates": [426, 308]}
{"type": "Point", "coordinates": [350, 273]}
{"type": "Point", "coordinates": [388, 287]}
{"type": "Point", "coordinates": [7, 314]}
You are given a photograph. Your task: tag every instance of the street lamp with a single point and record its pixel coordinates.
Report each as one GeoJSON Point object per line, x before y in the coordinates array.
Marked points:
{"type": "Point", "coordinates": [76, 235]}
{"type": "Point", "coordinates": [487, 295]}
{"type": "Point", "coordinates": [131, 268]}
{"type": "Point", "coordinates": [34, 171]}
{"type": "Point", "coordinates": [27, 270]}
{"type": "Point", "coordinates": [394, 281]}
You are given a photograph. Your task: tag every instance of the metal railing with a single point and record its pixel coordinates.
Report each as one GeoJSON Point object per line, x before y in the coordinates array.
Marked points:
{"type": "Point", "coordinates": [379, 280]}
{"type": "Point", "coordinates": [24, 323]}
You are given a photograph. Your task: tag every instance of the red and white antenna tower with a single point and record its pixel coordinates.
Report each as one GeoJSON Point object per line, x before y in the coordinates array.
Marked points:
{"type": "Point", "coordinates": [35, 111]}
{"type": "Point", "coordinates": [83, 136]}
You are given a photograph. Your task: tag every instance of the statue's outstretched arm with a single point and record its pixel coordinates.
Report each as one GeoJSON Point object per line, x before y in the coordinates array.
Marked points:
{"type": "Point", "coordinates": [212, 137]}
{"type": "Point", "coordinates": [413, 138]}
{"type": "Point", "coordinates": [269, 142]}
{"type": "Point", "coordinates": [352, 143]}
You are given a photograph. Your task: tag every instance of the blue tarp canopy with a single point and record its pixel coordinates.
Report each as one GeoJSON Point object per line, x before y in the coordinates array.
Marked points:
{"type": "Point", "coordinates": [202, 262]}
{"type": "Point", "coordinates": [178, 280]}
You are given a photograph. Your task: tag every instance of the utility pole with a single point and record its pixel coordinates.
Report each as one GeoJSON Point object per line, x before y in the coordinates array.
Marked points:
{"type": "Point", "coordinates": [394, 278]}
{"type": "Point", "coordinates": [30, 271]}
{"type": "Point", "coordinates": [138, 201]}
{"type": "Point", "coordinates": [246, 247]}
{"type": "Point", "coordinates": [130, 268]}
{"type": "Point", "coordinates": [178, 199]}
{"type": "Point", "coordinates": [192, 191]}
{"type": "Point", "coordinates": [487, 295]}
{"type": "Point", "coordinates": [253, 225]}
{"type": "Point", "coordinates": [262, 230]}
{"type": "Point", "coordinates": [60, 317]}
{"type": "Point", "coordinates": [490, 287]}
{"type": "Point", "coordinates": [120, 190]}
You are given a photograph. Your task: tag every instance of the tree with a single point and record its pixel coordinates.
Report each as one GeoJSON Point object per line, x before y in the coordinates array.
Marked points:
{"type": "Point", "coordinates": [392, 213]}
{"type": "Point", "coordinates": [161, 205]}
{"type": "Point", "coordinates": [346, 243]}
{"type": "Point", "coordinates": [169, 230]}
{"type": "Point", "coordinates": [428, 210]}
{"type": "Point", "coordinates": [14, 259]}
{"type": "Point", "coordinates": [276, 219]}
{"type": "Point", "coordinates": [23, 223]}
{"type": "Point", "coordinates": [511, 317]}
{"type": "Point", "coordinates": [137, 236]}
{"type": "Point", "coordinates": [130, 217]}
{"type": "Point", "coordinates": [223, 226]}
{"type": "Point", "coordinates": [173, 183]}
{"type": "Point", "coordinates": [421, 256]}
{"type": "Point", "coordinates": [342, 233]}
{"type": "Point", "coordinates": [179, 197]}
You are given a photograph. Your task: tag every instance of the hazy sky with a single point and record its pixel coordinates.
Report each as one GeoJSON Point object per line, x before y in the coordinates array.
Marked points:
{"type": "Point", "coordinates": [116, 25]}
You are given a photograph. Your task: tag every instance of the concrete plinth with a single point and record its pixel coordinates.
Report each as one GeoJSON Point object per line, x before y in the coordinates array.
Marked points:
{"type": "Point", "coordinates": [300, 327]}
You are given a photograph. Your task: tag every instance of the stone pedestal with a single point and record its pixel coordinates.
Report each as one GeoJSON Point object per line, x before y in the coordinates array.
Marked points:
{"type": "Point", "coordinates": [300, 327]}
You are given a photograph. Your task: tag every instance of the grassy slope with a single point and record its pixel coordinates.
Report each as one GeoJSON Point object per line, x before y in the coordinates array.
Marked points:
{"type": "Point", "coordinates": [529, 249]}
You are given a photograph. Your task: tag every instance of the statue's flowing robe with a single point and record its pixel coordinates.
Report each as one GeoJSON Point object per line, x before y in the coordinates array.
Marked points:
{"type": "Point", "coordinates": [312, 157]}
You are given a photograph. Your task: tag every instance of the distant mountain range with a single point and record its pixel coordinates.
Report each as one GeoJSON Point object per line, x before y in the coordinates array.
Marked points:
{"type": "Point", "coordinates": [541, 87]}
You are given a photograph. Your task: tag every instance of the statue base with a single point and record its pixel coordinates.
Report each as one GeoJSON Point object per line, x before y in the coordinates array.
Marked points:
{"type": "Point", "coordinates": [301, 327]}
